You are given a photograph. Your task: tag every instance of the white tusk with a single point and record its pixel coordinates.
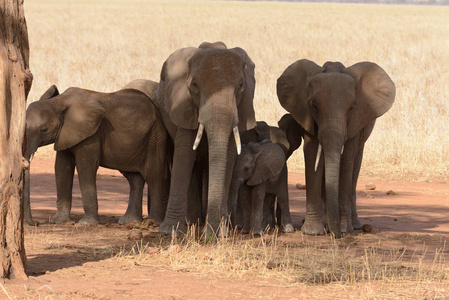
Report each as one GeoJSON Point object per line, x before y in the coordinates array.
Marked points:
{"type": "Point", "coordinates": [237, 140]}
{"type": "Point", "coordinates": [31, 157]}
{"type": "Point", "coordinates": [318, 155]}
{"type": "Point", "coordinates": [342, 149]}
{"type": "Point", "coordinates": [198, 136]}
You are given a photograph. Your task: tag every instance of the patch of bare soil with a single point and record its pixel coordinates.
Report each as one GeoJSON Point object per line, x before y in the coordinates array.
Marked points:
{"type": "Point", "coordinates": [110, 261]}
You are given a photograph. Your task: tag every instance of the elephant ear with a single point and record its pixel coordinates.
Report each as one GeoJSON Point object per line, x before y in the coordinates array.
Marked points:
{"type": "Point", "coordinates": [375, 95]}
{"type": "Point", "coordinates": [174, 86]}
{"type": "Point", "coordinates": [50, 93]}
{"type": "Point", "coordinates": [292, 90]}
{"type": "Point", "coordinates": [246, 114]}
{"type": "Point", "coordinates": [269, 163]}
{"type": "Point", "coordinates": [82, 115]}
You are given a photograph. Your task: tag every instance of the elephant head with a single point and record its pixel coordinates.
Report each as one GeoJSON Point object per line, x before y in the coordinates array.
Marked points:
{"type": "Point", "coordinates": [333, 104]}
{"type": "Point", "coordinates": [65, 119]}
{"type": "Point", "coordinates": [293, 131]}
{"type": "Point", "coordinates": [211, 89]}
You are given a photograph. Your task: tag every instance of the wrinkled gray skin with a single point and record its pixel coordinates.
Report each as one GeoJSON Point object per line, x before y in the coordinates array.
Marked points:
{"type": "Point", "coordinates": [121, 130]}
{"type": "Point", "coordinates": [337, 107]}
{"type": "Point", "coordinates": [212, 86]}
{"type": "Point", "coordinates": [259, 171]}
{"type": "Point", "coordinates": [289, 143]}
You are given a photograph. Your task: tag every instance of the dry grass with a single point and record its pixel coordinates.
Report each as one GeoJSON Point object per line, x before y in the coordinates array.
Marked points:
{"type": "Point", "coordinates": [273, 257]}
{"type": "Point", "coordinates": [102, 45]}
{"type": "Point", "coordinates": [360, 266]}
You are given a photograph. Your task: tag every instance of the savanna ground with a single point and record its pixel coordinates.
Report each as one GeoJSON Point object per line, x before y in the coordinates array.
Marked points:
{"type": "Point", "coordinates": [102, 45]}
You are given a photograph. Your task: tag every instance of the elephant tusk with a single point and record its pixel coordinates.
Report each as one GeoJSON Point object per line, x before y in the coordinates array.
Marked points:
{"type": "Point", "coordinates": [198, 136]}
{"type": "Point", "coordinates": [342, 149]}
{"type": "Point", "coordinates": [31, 157]}
{"type": "Point", "coordinates": [237, 140]}
{"type": "Point", "coordinates": [318, 155]}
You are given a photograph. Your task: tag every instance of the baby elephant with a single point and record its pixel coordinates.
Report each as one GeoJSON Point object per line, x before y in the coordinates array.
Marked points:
{"type": "Point", "coordinates": [260, 170]}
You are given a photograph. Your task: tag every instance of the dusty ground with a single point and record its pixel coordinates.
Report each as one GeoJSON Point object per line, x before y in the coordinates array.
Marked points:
{"type": "Point", "coordinates": [74, 262]}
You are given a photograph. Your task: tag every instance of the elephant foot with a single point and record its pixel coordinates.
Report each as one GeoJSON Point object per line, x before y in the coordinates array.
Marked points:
{"type": "Point", "coordinates": [288, 228]}
{"type": "Point", "coordinates": [60, 218]}
{"type": "Point", "coordinates": [314, 227]}
{"type": "Point", "coordinates": [356, 223]}
{"type": "Point", "coordinates": [172, 228]}
{"type": "Point", "coordinates": [31, 222]}
{"type": "Point", "coordinates": [89, 220]}
{"type": "Point", "coordinates": [346, 227]}
{"type": "Point", "coordinates": [129, 218]}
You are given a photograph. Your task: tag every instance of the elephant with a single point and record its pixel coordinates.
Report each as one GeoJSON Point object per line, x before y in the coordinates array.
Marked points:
{"type": "Point", "coordinates": [261, 132]}
{"type": "Point", "coordinates": [337, 107]}
{"type": "Point", "coordinates": [122, 130]}
{"type": "Point", "coordinates": [260, 170]}
{"type": "Point", "coordinates": [209, 90]}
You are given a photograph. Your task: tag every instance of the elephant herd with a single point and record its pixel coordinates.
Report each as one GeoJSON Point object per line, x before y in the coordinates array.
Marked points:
{"type": "Point", "coordinates": [193, 138]}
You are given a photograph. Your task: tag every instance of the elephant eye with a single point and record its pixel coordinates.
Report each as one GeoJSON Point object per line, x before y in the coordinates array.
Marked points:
{"type": "Point", "coordinates": [43, 129]}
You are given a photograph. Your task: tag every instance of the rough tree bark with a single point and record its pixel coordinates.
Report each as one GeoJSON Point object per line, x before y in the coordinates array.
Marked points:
{"type": "Point", "coordinates": [15, 83]}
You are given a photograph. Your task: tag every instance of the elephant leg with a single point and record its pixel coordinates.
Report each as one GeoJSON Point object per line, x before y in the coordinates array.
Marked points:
{"type": "Point", "coordinates": [314, 222]}
{"type": "Point", "coordinates": [64, 171]}
{"type": "Point", "coordinates": [26, 199]}
{"type": "Point", "coordinates": [183, 160]}
{"type": "Point", "coordinates": [268, 211]}
{"type": "Point", "coordinates": [257, 197]}
{"type": "Point", "coordinates": [364, 134]}
{"type": "Point", "coordinates": [87, 164]}
{"type": "Point", "coordinates": [346, 185]}
{"type": "Point", "coordinates": [194, 201]}
{"type": "Point", "coordinates": [356, 223]}
{"type": "Point", "coordinates": [283, 203]}
{"type": "Point", "coordinates": [245, 200]}
{"type": "Point", "coordinates": [134, 210]}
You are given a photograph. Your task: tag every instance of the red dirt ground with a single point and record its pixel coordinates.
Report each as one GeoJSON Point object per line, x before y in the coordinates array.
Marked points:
{"type": "Point", "coordinates": [64, 270]}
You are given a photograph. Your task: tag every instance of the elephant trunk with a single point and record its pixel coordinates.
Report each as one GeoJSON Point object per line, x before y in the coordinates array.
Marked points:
{"type": "Point", "coordinates": [332, 144]}
{"type": "Point", "coordinates": [219, 117]}
{"type": "Point", "coordinates": [233, 197]}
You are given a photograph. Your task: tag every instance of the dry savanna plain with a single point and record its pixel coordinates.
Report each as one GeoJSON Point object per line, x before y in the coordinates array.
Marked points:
{"type": "Point", "coordinates": [102, 45]}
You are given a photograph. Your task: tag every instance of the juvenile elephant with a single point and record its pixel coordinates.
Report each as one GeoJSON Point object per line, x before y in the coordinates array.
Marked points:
{"type": "Point", "coordinates": [259, 171]}
{"type": "Point", "coordinates": [276, 135]}
{"type": "Point", "coordinates": [122, 130]}
{"type": "Point", "coordinates": [337, 107]}
{"type": "Point", "coordinates": [206, 89]}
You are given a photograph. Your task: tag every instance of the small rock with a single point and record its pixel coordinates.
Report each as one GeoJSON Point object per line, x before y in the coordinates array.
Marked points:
{"type": "Point", "coordinates": [47, 272]}
{"type": "Point", "coordinates": [135, 235]}
{"type": "Point", "coordinates": [369, 196]}
{"type": "Point", "coordinates": [395, 219]}
{"type": "Point", "coordinates": [391, 193]}
{"type": "Point", "coordinates": [370, 186]}
{"type": "Point", "coordinates": [271, 265]}
{"type": "Point", "coordinates": [367, 228]}
{"type": "Point", "coordinates": [152, 250]}
{"type": "Point", "coordinates": [300, 186]}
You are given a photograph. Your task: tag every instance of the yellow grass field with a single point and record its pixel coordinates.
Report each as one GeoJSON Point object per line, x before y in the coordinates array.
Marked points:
{"type": "Point", "coordinates": [102, 45]}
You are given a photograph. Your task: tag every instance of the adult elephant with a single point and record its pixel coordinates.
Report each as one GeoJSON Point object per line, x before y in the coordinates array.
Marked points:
{"type": "Point", "coordinates": [211, 89]}
{"type": "Point", "coordinates": [337, 106]}
{"type": "Point", "coordinates": [122, 130]}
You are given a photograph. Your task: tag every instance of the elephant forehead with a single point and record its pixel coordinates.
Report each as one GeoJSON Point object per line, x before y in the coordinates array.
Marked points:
{"type": "Point", "coordinates": [332, 84]}
{"type": "Point", "coordinates": [216, 64]}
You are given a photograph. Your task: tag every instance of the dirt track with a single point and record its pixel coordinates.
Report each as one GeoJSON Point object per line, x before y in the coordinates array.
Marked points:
{"type": "Point", "coordinates": [64, 269]}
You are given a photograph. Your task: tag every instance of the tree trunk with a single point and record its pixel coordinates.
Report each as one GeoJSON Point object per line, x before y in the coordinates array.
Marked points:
{"type": "Point", "coordinates": [15, 83]}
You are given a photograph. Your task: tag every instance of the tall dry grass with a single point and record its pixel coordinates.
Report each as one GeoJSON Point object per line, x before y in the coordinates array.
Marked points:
{"type": "Point", "coordinates": [102, 45]}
